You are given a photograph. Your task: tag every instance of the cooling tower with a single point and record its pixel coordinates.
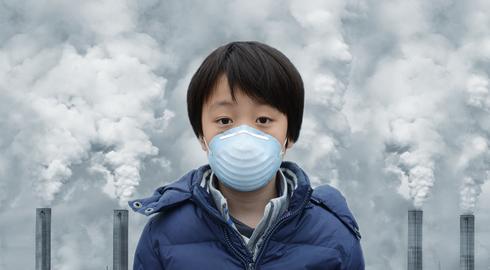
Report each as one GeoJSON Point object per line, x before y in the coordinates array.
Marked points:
{"type": "Point", "coordinates": [415, 239]}
{"type": "Point", "coordinates": [467, 242]}
{"type": "Point", "coordinates": [120, 240]}
{"type": "Point", "coordinates": [43, 238]}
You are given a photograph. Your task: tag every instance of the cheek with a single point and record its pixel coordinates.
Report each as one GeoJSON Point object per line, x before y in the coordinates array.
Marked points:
{"type": "Point", "coordinates": [209, 131]}
{"type": "Point", "coordinates": [207, 126]}
{"type": "Point", "coordinates": [208, 134]}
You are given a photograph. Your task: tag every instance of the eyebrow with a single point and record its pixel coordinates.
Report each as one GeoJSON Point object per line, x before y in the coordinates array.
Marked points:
{"type": "Point", "coordinates": [226, 103]}
{"type": "Point", "coordinates": [221, 103]}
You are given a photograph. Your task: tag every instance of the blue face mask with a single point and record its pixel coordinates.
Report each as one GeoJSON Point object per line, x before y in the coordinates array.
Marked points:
{"type": "Point", "coordinates": [244, 158]}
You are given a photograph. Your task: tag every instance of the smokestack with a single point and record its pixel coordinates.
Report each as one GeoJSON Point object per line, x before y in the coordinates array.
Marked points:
{"type": "Point", "coordinates": [120, 240]}
{"type": "Point", "coordinates": [415, 239]}
{"type": "Point", "coordinates": [467, 242]}
{"type": "Point", "coordinates": [43, 238]}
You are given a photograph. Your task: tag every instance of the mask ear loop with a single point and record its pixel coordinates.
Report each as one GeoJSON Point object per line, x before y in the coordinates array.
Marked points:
{"type": "Point", "coordinates": [207, 146]}
{"type": "Point", "coordinates": [284, 145]}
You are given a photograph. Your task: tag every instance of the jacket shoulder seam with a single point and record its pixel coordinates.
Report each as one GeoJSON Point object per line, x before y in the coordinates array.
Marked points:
{"type": "Point", "coordinates": [319, 202]}
{"type": "Point", "coordinates": [155, 253]}
{"type": "Point", "coordinates": [150, 237]}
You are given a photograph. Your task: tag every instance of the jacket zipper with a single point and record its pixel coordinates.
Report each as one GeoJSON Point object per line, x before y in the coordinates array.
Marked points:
{"type": "Point", "coordinates": [245, 261]}
{"type": "Point", "coordinates": [250, 264]}
{"type": "Point", "coordinates": [276, 226]}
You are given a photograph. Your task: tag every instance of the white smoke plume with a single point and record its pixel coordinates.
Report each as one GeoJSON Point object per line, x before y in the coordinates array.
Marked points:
{"type": "Point", "coordinates": [412, 150]}
{"type": "Point", "coordinates": [324, 64]}
{"type": "Point", "coordinates": [478, 92]}
{"type": "Point", "coordinates": [474, 159]}
{"type": "Point", "coordinates": [409, 120]}
{"type": "Point", "coordinates": [86, 102]}
{"type": "Point", "coordinates": [409, 95]}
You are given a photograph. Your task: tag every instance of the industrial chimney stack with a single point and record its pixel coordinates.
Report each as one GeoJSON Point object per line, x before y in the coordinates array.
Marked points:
{"type": "Point", "coordinates": [43, 238]}
{"type": "Point", "coordinates": [120, 240]}
{"type": "Point", "coordinates": [467, 242]}
{"type": "Point", "coordinates": [415, 239]}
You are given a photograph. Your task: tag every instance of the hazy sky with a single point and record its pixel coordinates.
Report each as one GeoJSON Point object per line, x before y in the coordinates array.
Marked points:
{"type": "Point", "coordinates": [93, 113]}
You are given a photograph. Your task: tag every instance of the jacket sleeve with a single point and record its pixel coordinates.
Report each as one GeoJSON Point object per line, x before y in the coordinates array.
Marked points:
{"type": "Point", "coordinates": [355, 260]}
{"type": "Point", "coordinates": [145, 256]}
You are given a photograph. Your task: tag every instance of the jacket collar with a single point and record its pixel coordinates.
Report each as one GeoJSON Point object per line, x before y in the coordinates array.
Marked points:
{"type": "Point", "coordinates": [165, 196]}
{"type": "Point", "coordinates": [188, 187]}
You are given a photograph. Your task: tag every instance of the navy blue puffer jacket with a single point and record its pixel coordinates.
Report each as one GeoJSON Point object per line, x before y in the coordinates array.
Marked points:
{"type": "Point", "coordinates": [317, 231]}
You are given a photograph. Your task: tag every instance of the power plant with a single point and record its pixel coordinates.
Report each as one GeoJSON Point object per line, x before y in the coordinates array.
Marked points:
{"type": "Point", "coordinates": [120, 240]}
{"type": "Point", "coordinates": [415, 239]}
{"type": "Point", "coordinates": [467, 242]}
{"type": "Point", "coordinates": [43, 239]}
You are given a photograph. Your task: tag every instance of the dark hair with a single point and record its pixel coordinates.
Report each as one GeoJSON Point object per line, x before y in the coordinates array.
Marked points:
{"type": "Point", "coordinates": [263, 73]}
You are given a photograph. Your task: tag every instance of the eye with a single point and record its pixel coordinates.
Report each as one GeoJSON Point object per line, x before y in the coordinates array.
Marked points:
{"type": "Point", "coordinates": [263, 120]}
{"type": "Point", "coordinates": [224, 120]}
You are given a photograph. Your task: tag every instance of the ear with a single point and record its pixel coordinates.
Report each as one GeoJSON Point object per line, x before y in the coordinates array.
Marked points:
{"type": "Point", "coordinates": [289, 144]}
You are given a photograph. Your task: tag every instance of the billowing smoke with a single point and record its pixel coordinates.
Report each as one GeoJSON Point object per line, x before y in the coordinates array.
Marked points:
{"type": "Point", "coordinates": [478, 92]}
{"type": "Point", "coordinates": [323, 60]}
{"type": "Point", "coordinates": [86, 97]}
{"type": "Point", "coordinates": [474, 160]}
{"type": "Point", "coordinates": [418, 93]}
{"type": "Point", "coordinates": [408, 93]}
{"type": "Point", "coordinates": [411, 152]}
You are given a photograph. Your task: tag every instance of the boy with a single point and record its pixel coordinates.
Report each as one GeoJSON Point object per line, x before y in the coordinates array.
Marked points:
{"type": "Point", "coordinates": [246, 209]}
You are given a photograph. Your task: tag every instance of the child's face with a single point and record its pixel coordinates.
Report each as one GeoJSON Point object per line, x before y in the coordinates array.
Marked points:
{"type": "Point", "coordinates": [220, 113]}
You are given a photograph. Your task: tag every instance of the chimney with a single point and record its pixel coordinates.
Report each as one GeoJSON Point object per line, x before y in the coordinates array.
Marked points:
{"type": "Point", "coordinates": [467, 242]}
{"type": "Point", "coordinates": [415, 239]}
{"type": "Point", "coordinates": [43, 238]}
{"type": "Point", "coordinates": [120, 240]}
